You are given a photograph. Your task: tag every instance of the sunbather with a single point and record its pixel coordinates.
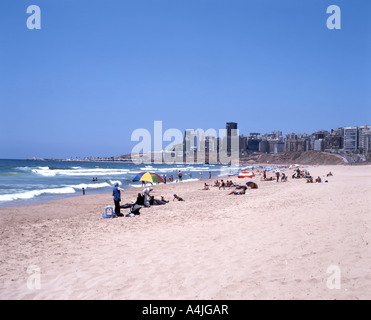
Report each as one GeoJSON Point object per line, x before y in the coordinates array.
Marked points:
{"type": "Point", "coordinates": [163, 199]}
{"type": "Point", "coordinates": [154, 202]}
{"type": "Point", "coordinates": [178, 198]}
{"type": "Point", "coordinates": [243, 191]}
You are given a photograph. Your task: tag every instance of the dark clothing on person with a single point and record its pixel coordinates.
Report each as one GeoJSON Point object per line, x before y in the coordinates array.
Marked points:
{"type": "Point", "coordinates": [154, 202]}
{"type": "Point", "coordinates": [277, 175]}
{"type": "Point", "coordinates": [116, 193]}
{"type": "Point", "coordinates": [140, 199]}
{"type": "Point", "coordinates": [117, 207]}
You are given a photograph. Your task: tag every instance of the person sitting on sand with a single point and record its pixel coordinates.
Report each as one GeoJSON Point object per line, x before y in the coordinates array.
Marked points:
{"type": "Point", "coordinates": [206, 187]}
{"type": "Point", "coordinates": [229, 184]}
{"type": "Point", "coordinates": [318, 180]}
{"type": "Point", "coordinates": [216, 183]}
{"type": "Point", "coordinates": [329, 174]}
{"type": "Point", "coordinates": [140, 199]}
{"type": "Point", "coordinates": [243, 191]}
{"type": "Point", "coordinates": [310, 180]}
{"type": "Point", "coordinates": [178, 198]}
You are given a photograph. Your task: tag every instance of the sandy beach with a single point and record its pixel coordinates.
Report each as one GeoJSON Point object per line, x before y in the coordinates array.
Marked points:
{"type": "Point", "coordinates": [280, 241]}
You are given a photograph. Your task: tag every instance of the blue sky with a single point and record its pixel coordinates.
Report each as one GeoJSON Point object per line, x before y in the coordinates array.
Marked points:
{"type": "Point", "coordinates": [98, 70]}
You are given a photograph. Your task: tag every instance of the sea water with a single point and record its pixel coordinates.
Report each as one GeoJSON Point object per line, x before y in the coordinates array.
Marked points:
{"type": "Point", "coordinates": [25, 182]}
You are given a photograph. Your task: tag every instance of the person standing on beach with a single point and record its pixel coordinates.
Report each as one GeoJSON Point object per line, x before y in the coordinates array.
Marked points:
{"type": "Point", "coordinates": [83, 191]}
{"type": "Point", "coordinates": [278, 175]}
{"type": "Point", "coordinates": [209, 174]}
{"type": "Point", "coordinates": [116, 193]}
{"type": "Point", "coordinates": [180, 175]}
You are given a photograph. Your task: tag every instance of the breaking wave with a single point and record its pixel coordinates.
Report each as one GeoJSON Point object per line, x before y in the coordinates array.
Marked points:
{"type": "Point", "coordinates": [77, 171]}
{"type": "Point", "coordinates": [35, 193]}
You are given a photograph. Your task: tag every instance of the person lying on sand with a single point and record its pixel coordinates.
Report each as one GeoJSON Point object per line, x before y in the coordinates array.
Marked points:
{"type": "Point", "coordinates": [163, 199]}
{"type": "Point", "coordinates": [243, 191]}
{"type": "Point", "coordinates": [240, 187]}
{"type": "Point", "coordinates": [178, 198]}
{"type": "Point", "coordinates": [268, 179]}
{"type": "Point", "coordinates": [127, 205]}
{"type": "Point", "coordinates": [155, 202]}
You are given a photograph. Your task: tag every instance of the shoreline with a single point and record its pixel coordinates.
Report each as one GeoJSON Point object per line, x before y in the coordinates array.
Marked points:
{"type": "Point", "coordinates": [275, 242]}
{"type": "Point", "coordinates": [35, 200]}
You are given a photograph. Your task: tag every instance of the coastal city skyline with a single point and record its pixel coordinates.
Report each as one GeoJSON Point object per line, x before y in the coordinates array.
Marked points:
{"type": "Point", "coordinates": [349, 141]}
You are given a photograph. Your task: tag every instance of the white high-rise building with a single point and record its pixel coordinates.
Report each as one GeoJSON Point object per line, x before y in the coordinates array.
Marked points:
{"type": "Point", "coordinates": [318, 145]}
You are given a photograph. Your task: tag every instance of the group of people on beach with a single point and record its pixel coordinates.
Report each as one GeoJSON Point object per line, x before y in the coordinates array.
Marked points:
{"type": "Point", "coordinates": [239, 189]}
{"type": "Point", "coordinates": [318, 179]}
{"type": "Point", "coordinates": [180, 177]}
{"type": "Point", "coordinates": [283, 176]}
{"type": "Point", "coordinates": [144, 199]}
{"type": "Point", "coordinates": [297, 174]}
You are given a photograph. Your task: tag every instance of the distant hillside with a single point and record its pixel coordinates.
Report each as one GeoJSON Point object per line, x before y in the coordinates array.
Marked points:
{"type": "Point", "coordinates": [308, 157]}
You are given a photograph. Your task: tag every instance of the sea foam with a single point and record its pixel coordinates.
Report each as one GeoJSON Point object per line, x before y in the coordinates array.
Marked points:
{"type": "Point", "coordinates": [35, 193]}
{"type": "Point", "coordinates": [47, 172]}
